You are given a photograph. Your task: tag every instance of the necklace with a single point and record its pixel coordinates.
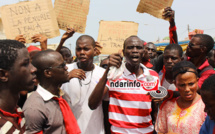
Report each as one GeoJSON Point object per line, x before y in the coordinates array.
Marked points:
{"type": "Point", "coordinates": [83, 89]}
{"type": "Point", "coordinates": [81, 83]}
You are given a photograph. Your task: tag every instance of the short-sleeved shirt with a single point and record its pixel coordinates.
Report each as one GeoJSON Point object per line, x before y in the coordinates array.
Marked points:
{"type": "Point", "coordinates": [130, 106]}
{"type": "Point", "coordinates": [43, 113]}
{"type": "Point", "coordinates": [173, 119]}
{"type": "Point", "coordinates": [79, 91]}
{"type": "Point", "coordinates": [10, 127]}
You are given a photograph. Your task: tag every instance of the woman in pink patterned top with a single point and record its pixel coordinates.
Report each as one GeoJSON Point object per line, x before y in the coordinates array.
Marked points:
{"type": "Point", "coordinates": [185, 114]}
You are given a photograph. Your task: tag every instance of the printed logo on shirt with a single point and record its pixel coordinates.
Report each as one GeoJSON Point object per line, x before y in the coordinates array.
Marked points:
{"type": "Point", "coordinates": [134, 85]}
{"type": "Point", "coordinates": [125, 85]}
{"type": "Point", "coordinates": [148, 86]}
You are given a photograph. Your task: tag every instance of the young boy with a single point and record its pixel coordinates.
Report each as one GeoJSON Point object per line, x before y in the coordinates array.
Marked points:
{"type": "Point", "coordinates": [16, 74]}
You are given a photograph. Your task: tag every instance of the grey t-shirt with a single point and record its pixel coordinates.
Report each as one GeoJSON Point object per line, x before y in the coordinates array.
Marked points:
{"type": "Point", "coordinates": [44, 115]}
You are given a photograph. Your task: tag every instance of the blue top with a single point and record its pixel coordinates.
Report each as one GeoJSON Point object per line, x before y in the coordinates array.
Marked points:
{"type": "Point", "coordinates": [207, 127]}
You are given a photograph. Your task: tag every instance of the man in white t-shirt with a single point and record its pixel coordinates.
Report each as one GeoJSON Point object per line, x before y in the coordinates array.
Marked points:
{"type": "Point", "coordinates": [85, 76]}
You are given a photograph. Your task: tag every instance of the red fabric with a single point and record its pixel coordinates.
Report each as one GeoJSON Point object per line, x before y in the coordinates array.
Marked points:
{"type": "Point", "coordinates": [214, 130]}
{"type": "Point", "coordinates": [205, 64]}
{"type": "Point", "coordinates": [152, 72]}
{"type": "Point", "coordinates": [164, 73]}
{"type": "Point", "coordinates": [148, 64]}
{"type": "Point", "coordinates": [170, 92]}
{"type": "Point", "coordinates": [171, 29]}
{"type": "Point", "coordinates": [124, 124]}
{"type": "Point", "coordinates": [33, 48]}
{"type": "Point", "coordinates": [17, 115]}
{"type": "Point", "coordinates": [204, 76]}
{"type": "Point", "coordinates": [130, 111]}
{"type": "Point", "coordinates": [130, 97]}
{"type": "Point", "coordinates": [70, 122]}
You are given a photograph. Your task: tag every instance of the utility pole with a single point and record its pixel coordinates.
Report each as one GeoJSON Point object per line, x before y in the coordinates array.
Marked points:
{"type": "Point", "coordinates": [188, 28]}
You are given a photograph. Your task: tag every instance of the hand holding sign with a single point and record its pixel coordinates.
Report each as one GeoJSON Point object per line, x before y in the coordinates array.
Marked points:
{"type": "Point", "coordinates": [69, 33]}
{"type": "Point", "coordinates": [42, 39]}
{"type": "Point", "coordinates": [112, 34]}
{"type": "Point", "coordinates": [39, 38]}
{"type": "Point", "coordinates": [169, 14]}
{"type": "Point", "coordinates": [98, 48]}
{"type": "Point", "coordinates": [72, 13]}
{"type": "Point", "coordinates": [29, 18]}
{"type": "Point", "coordinates": [20, 38]}
{"type": "Point", "coordinates": [154, 7]}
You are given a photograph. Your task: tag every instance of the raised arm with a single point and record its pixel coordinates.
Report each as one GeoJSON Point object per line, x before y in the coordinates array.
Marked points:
{"type": "Point", "coordinates": [42, 39]}
{"type": "Point", "coordinates": [101, 89]}
{"type": "Point", "coordinates": [20, 38]}
{"type": "Point", "coordinates": [169, 13]}
{"type": "Point", "coordinates": [69, 33]}
{"type": "Point", "coordinates": [97, 49]}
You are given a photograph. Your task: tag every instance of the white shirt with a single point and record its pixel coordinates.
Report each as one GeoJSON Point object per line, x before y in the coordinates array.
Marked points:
{"type": "Point", "coordinates": [166, 84]}
{"type": "Point", "coordinates": [46, 95]}
{"type": "Point", "coordinates": [89, 121]}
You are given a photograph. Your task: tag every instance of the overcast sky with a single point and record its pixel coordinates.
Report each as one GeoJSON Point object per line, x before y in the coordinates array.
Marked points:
{"type": "Point", "coordinates": [197, 13]}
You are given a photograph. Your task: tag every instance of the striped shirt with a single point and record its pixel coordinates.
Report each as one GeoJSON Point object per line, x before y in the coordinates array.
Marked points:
{"type": "Point", "coordinates": [7, 126]}
{"type": "Point", "coordinates": [130, 106]}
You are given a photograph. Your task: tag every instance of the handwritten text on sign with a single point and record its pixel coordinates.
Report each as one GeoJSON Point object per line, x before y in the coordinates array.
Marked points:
{"type": "Point", "coordinates": [72, 13]}
{"type": "Point", "coordinates": [30, 18]}
{"type": "Point", "coordinates": [154, 7]}
{"type": "Point", "coordinates": [112, 35]}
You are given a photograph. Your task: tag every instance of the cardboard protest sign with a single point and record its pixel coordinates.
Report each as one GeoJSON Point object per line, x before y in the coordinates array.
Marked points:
{"type": "Point", "coordinates": [2, 34]}
{"type": "Point", "coordinates": [154, 7]}
{"type": "Point", "coordinates": [72, 13]}
{"type": "Point", "coordinates": [112, 35]}
{"type": "Point", "coordinates": [30, 18]}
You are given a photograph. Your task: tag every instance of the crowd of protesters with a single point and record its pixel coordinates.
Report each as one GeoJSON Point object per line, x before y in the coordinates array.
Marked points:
{"type": "Point", "coordinates": [46, 91]}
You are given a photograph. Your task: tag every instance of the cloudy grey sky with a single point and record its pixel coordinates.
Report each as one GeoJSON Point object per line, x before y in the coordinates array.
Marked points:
{"type": "Point", "coordinates": [197, 13]}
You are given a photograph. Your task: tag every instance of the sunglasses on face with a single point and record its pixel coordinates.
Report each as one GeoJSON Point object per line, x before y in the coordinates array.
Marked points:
{"type": "Point", "coordinates": [60, 66]}
{"type": "Point", "coordinates": [190, 45]}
